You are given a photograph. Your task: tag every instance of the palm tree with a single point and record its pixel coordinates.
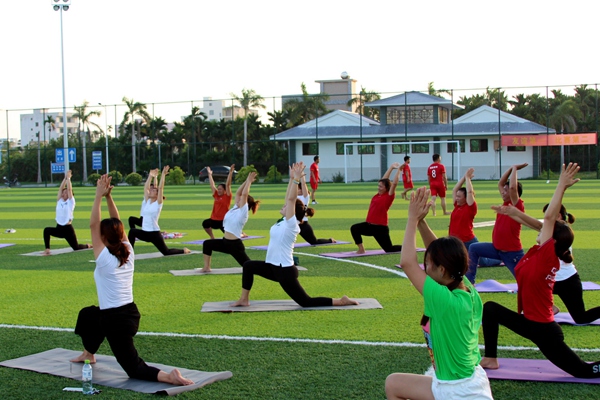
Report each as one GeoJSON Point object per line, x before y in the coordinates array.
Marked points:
{"type": "Point", "coordinates": [248, 100]}
{"type": "Point", "coordinates": [85, 118]}
{"type": "Point", "coordinates": [563, 119]}
{"type": "Point", "coordinates": [306, 108]}
{"type": "Point", "coordinates": [432, 91]}
{"type": "Point", "coordinates": [365, 96]}
{"type": "Point", "coordinates": [133, 109]}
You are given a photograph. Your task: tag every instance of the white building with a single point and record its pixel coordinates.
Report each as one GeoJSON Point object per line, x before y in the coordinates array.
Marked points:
{"type": "Point", "coordinates": [215, 110]}
{"type": "Point", "coordinates": [33, 125]}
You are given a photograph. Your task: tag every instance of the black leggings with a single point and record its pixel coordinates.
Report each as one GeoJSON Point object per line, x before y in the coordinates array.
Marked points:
{"type": "Point", "coordinates": [119, 326]}
{"type": "Point", "coordinates": [547, 336]}
{"type": "Point", "coordinates": [570, 292]}
{"type": "Point", "coordinates": [234, 247]}
{"type": "Point", "coordinates": [306, 231]}
{"type": "Point", "coordinates": [154, 237]}
{"type": "Point", "coordinates": [381, 234]}
{"type": "Point", "coordinates": [135, 221]}
{"type": "Point", "coordinates": [213, 224]}
{"type": "Point", "coordinates": [64, 232]}
{"type": "Point", "coordinates": [288, 280]}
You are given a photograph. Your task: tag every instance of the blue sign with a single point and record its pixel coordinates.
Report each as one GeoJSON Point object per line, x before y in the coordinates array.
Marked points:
{"type": "Point", "coordinates": [96, 160]}
{"type": "Point", "coordinates": [72, 155]}
{"type": "Point", "coordinates": [58, 168]}
{"type": "Point", "coordinates": [60, 155]}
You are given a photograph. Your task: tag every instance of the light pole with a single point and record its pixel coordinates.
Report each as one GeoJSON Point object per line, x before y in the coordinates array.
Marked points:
{"type": "Point", "coordinates": [105, 134]}
{"type": "Point", "coordinates": [60, 5]}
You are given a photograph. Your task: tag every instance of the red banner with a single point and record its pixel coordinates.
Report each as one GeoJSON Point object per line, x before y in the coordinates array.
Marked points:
{"type": "Point", "coordinates": [574, 139]}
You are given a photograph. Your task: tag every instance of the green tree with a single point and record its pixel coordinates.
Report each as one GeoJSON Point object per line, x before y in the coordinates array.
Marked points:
{"type": "Point", "coordinates": [134, 109]}
{"type": "Point", "coordinates": [563, 119]}
{"type": "Point", "coordinates": [432, 91]}
{"type": "Point", "coordinates": [306, 108]}
{"type": "Point", "coordinates": [365, 96]}
{"type": "Point", "coordinates": [248, 99]}
{"type": "Point", "coordinates": [85, 120]}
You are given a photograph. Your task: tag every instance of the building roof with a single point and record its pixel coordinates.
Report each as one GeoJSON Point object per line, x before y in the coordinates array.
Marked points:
{"type": "Point", "coordinates": [412, 99]}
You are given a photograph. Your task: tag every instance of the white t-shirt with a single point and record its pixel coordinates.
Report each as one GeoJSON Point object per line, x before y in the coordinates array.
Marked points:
{"type": "Point", "coordinates": [566, 270]}
{"type": "Point", "coordinates": [304, 200]}
{"type": "Point", "coordinates": [114, 284]}
{"type": "Point", "coordinates": [151, 213]}
{"type": "Point", "coordinates": [64, 211]}
{"type": "Point", "coordinates": [281, 242]}
{"type": "Point", "coordinates": [235, 219]}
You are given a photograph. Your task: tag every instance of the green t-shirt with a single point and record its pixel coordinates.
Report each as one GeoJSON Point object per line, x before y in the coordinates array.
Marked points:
{"type": "Point", "coordinates": [454, 320]}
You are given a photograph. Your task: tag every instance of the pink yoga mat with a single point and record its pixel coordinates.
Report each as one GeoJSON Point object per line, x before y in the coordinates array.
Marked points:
{"type": "Point", "coordinates": [492, 286]}
{"type": "Point", "coordinates": [297, 245]}
{"type": "Point", "coordinates": [565, 318]}
{"type": "Point", "coordinates": [348, 254]}
{"type": "Point", "coordinates": [6, 245]}
{"type": "Point", "coordinates": [202, 241]}
{"type": "Point", "coordinates": [518, 369]}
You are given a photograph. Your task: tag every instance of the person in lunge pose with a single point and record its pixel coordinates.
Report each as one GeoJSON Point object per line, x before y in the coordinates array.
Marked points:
{"type": "Point", "coordinates": [506, 236]}
{"type": "Point", "coordinates": [451, 319]}
{"type": "Point", "coordinates": [376, 224]}
{"type": "Point", "coordinates": [65, 205]}
{"type": "Point", "coordinates": [222, 196]}
{"type": "Point", "coordinates": [233, 223]}
{"type": "Point", "coordinates": [306, 231]}
{"type": "Point", "coordinates": [535, 275]}
{"type": "Point", "coordinates": [151, 208]}
{"type": "Point", "coordinates": [279, 264]}
{"type": "Point", "coordinates": [117, 318]}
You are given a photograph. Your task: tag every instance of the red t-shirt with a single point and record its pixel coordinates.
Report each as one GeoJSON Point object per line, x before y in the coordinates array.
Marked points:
{"type": "Point", "coordinates": [378, 209]}
{"type": "Point", "coordinates": [506, 235]}
{"type": "Point", "coordinates": [461, 221]}
{"type": "Point", "coordinates": [314, 169]}
{"type": "Point", "coordinates": [435, 172]}
{"type": "Point", "coordinates": [406, 174]}
{"type": "Point", "coordinates": [220, 206]}
{"type": "Point", "coordinates": [535, 275]}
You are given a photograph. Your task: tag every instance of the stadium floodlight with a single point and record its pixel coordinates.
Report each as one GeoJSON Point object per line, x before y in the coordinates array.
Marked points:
{"type": "Point", "coordinates": [61, 5]}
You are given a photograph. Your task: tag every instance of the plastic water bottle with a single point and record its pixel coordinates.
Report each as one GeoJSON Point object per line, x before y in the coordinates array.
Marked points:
{"type": "Point", "coordinates": [86, 378]}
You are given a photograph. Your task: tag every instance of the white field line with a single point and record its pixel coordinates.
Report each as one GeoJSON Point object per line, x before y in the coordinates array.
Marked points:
{"type": "Point", "coordinates": [288, 340]}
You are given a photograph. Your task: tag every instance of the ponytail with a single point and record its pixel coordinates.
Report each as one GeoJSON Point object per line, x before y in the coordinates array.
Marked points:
{"type": "Point", "coordinates": [111, 230]}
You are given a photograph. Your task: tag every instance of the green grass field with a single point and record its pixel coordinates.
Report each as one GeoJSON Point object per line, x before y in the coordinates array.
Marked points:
{"type": "Point", "coordinates": [317, 354]}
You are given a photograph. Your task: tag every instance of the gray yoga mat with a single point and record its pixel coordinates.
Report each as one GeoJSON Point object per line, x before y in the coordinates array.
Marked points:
{"type": "Point", "coordinates": [158, 254]}
{"type": "Point", "coordinates": [108, 372]}
{"type": "Point", "coordinates": [214, 271]}
{"type": "Point", "coordinates": [54, 252]}
{"type": "Point", "coordinates": [282, 305]}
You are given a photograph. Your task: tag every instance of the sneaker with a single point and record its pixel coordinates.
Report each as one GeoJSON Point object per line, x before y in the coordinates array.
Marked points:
{"type": "Point", "coordinates": [314, 202]}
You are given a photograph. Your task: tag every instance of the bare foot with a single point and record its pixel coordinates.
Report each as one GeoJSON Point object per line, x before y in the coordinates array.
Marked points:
{"type": "Point", "coordinates": [174, 378]}
{"type": "Point", "coordinates": [90, 246]}
{"type": "Point", "coordinates": [47, 252]}
{"type": "Point", "coordinates": [240, 303]}
{"type": "Point", "coordinates": [186, 250]}
{"type": "Point", "coordinates": [433, 213]}
{"type": "Point", "coordinates": [203, 270]}
{"type": "Point", "coordinates": [360, 251]}
{"type": "Point", "coordinates": [86, 355]}
{"type": "Point", "coordinates": [333, 240]}
{"type": "Point", "coordinates": [489, 363]}
{"type": "Point", "coordinates": [345, 301]}
{"type": "Point", "coordinates": [243, 235]}
{"type": "Point", "coordinates": [447, 213]}
{"type": "Point", "coordinates": [555, 310]}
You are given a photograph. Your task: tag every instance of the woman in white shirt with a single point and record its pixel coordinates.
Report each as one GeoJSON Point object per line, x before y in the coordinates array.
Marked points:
{"type": "Point", "coordinates": [306, 231]}
{"type": "Point", "coordinates": [117, 317]}
{"type": "Point", "coordinates": [233, 224]}
{"type": "Point", "coordinates": [151, 208]}
{"type": "Point", "coordinates": [65, 205]}
{"type": "Point", "coordinates": [279, 264]}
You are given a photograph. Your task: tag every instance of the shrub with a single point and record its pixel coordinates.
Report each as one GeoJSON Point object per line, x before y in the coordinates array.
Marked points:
{"type": "Point", "coordinates": [338, 177]}
{"type": "Point", "coordinates": [176, 177]}
{"type": "Point", "coordinates": [273, 176]}
{"type": "Point", "coordinates": [133, 179]}
{"type": "Point", "coordinates": [243, 173]}
{"type": "Point", "coordinates": [117, 177]}
{"type": "Point", "coordinates": [93, 179]}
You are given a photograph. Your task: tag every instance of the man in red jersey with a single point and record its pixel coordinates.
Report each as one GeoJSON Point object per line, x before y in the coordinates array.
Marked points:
{"type": "Point", "coordinates": [438, 183]}
{"type": "Point", "coordinates": [314, 178]}
{"type": "Point", "coordinates": [406, 177]}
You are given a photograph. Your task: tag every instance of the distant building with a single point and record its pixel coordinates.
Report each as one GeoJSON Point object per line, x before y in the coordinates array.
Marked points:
{"type": "Point", "coordinates": [340, 92]}
{"type": "Point", "coordinates": [215, 110]}
{"type": "Point", "coordinates": [32, 125]}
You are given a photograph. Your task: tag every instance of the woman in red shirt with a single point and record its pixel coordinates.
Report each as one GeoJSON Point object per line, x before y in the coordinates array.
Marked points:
{"type": "Point", "coordinates": [376, 224]}
{"type": "Point", "coordinates": [535, 275]}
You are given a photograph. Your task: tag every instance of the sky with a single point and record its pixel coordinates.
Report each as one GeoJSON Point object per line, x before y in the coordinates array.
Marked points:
{"type": "Point", "coordinates": [157, 51]}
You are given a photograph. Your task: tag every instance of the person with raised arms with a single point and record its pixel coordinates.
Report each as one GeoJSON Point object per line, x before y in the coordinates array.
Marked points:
{"type": "Point", "coordinates": [222, 195]}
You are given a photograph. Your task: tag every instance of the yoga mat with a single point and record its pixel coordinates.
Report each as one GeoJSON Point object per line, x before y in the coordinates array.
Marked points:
{"type": "Point", "coordinates": [282, 305]}
{"type": "Point", "coordinates": [565, 318]}
{"type": "Point", "coordinates": [348, 254]}
{"type": "Point", "coordinates": [297, 245]}
{"type": "Point", "coordinates": [108, 372]}
{"type": "Point", "coordinates": [158, 254]}
{"type": "Point", "coordinates": [6, 245]}
{"type": "Point", "coordinates": [53, 252]}
{"type": "Point", "coordinates": [214, 271]}
{"type": "Point", "coordinates": [519, 369]}
{"type": "Point", "coordinates": [491, 286]}
{"type": "Point", "coordinates": [202, 241]}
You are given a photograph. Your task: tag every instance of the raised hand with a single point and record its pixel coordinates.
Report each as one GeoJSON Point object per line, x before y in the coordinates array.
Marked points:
{"type": "Point", "coordinates": [470, 173]}
{"type": "Point", "coordinates": [567, 175]}
{"type": "Point", "coordinates": [419, 204]}
{"type": "Point", "coordinates": [209, 170]}
{"type": "Point", "coordinates": [520, 166]}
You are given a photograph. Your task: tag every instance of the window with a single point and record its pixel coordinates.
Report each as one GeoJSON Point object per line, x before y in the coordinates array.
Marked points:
{"type": "Point", "coordinates": [515, 148]}
{"type": "Point", "coordinates": [452, 146]}
{"type": "Point", "coordinates": [416, 115]}
{"type": "Point", "coordinates": [366, 149]}
{"type": "Point", "coordinates": [339, 148]}
{"type": "Point", "coordinates": [443, 117]}
{"type": "Point", "coordinates": [400, 148]}
{"type": "Point", "coordinates": [310, 149]}
{"type": "Point", "coordinates": [479, 145]}
{"type": "Point", "coordinates": [37, 124]}
{"type": "Point", "coordinates": [211, 112]}
{"type": "Point", "coordinates": [420, 148]}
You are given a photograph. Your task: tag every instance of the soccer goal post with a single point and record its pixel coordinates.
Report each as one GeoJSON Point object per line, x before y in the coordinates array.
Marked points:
{"type": "Point", "coordinates": [353, 161]}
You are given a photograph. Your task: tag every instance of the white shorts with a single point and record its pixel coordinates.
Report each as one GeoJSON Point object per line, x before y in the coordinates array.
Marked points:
{"type": "Point", "coordinates": [475, 387]}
